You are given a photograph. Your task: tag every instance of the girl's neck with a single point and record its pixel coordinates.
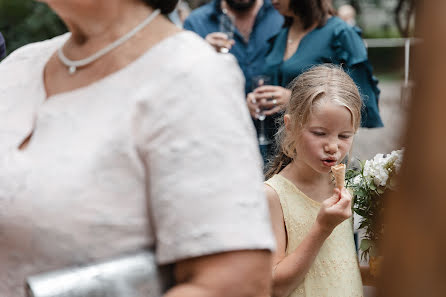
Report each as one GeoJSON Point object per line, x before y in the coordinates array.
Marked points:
{"type": "Point", "coordinates": [304, 176]}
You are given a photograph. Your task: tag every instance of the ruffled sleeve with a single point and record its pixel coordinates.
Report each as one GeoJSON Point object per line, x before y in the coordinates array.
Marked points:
{"type": "Point", "coordinates": [349, 46]}
{"type": "Point", "coordinates": [351, 53]}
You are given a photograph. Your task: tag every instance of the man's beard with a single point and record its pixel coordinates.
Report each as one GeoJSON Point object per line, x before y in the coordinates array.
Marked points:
{"type": "Point", "coordinates": [241, 5]}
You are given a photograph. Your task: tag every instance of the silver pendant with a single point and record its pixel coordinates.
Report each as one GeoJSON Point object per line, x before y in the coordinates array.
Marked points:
{"type": "Point", "coordinates": [72, 70]}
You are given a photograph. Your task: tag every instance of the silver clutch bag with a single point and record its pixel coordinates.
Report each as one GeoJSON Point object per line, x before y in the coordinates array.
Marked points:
{"type": "Point", "coordinates": [135, 275]}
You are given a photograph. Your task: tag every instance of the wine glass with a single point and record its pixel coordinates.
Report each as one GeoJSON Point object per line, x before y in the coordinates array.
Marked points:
{"type": "Point", "coordinates": [264, 141]}
{"type": "Point", "coordinates": [226, 25]}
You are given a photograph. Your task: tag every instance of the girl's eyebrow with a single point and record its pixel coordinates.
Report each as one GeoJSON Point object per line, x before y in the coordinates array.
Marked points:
{"type": "Point", "coordinates": [317, 127]}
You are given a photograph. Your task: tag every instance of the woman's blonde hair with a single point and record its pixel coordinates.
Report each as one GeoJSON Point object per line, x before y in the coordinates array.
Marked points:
{"type": "Point", "coordinates": [320, 84]}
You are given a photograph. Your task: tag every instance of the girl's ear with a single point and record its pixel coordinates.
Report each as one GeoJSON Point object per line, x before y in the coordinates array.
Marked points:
{"type": "Point", "coordinates": [287, 122]}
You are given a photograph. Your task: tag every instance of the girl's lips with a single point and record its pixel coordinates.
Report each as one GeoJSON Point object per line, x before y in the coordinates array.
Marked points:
{"type": "Point", "coordinates": [329, 163]}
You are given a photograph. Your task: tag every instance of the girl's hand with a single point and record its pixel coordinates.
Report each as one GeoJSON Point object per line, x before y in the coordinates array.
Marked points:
{"type": "Point", "coordinates": [219, 40]}
{"type": "Point", "coordinates": [253, 105]}
{"type": "Point", "coordinates": [272, 99]}
{"type": "Point", "coordinates": [335, 210]}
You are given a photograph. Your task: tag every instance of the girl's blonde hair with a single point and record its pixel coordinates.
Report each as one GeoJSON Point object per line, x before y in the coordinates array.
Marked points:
{"type": "Point", "coordinates": [320, 84]}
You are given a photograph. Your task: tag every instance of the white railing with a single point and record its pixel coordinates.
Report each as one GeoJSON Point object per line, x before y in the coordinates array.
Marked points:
{"type": "Point", "coordinates": [395, 42]}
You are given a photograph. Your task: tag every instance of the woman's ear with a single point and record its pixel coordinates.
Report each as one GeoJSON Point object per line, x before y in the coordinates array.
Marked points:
{"type": "Point", "coordinates": [287, 122]}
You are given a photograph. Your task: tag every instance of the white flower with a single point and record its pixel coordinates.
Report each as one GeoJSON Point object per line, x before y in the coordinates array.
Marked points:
{"type": "Point", "coordinates": [380, 167]}
{"type": "Point", "coordinates": [357, 180]}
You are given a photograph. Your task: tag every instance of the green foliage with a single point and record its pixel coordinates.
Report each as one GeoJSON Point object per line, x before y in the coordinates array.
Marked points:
{"type": "Point", "coordinates": [368, 203]}
{"type": "Point", "coordinates": [26, 21]}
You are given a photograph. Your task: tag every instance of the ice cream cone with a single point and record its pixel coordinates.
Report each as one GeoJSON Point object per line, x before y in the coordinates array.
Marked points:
{"type": "Point", "coordinates": [339, 175]}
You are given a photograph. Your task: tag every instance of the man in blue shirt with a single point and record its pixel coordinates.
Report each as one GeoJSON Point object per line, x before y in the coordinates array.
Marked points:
{"type": "Point", "coordinates": [2, 47]}
{"type": "Point", "coordinates": [256, 21]}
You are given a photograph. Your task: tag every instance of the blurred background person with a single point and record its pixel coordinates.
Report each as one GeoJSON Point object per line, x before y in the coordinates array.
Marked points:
{"type": "Point", "coordinates": [347, 13]}
{"type": "Point", "coordinates": [2, 47]}
{"type": "Point", "coordinates": [99, 154]}
{"type": "Point", "coordinates": [312, 35]}
{"type": "Point", "coordinates": [256, 21]}
{"type": "Point", "coordinates": [180, 13]}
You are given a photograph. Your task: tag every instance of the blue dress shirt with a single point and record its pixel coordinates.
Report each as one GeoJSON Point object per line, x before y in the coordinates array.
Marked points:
{"type": "Point", "coordinates": [249, 54]}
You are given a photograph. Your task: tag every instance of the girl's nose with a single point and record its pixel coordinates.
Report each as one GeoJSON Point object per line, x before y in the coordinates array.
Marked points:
{"type": "Point", "coordinates": [331, 148]}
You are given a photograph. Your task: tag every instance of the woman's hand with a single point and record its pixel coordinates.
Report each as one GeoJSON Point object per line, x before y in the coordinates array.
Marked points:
{"type": "Point", "coordinates": [271, 99]}
{"type": "Point", "coordinates": [335, 210]}
{"type": "Point", "coordinates": [219, 40]}
{"type": "Point", "coordinates": [253, 105]}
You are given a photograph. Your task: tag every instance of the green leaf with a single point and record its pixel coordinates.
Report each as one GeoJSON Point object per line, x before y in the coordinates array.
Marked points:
{"type": "Point", "coordinates": [373, 252]}
{"type": "Point", "coordinates": [366, 244]}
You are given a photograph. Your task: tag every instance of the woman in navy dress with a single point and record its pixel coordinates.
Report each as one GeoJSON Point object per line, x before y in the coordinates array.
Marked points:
{"type": "Point", "coordinates": [312, 35]}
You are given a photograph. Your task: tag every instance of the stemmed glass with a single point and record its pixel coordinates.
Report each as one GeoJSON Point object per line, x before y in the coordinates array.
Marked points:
{"type": "Point", "coordinates": [258, 81]}
{"type": "Point", "coordinates": [226, 25]}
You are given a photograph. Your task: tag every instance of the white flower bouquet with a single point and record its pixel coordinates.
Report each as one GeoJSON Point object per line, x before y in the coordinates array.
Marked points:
{"type": "Point", "coordinates": [368, 183]}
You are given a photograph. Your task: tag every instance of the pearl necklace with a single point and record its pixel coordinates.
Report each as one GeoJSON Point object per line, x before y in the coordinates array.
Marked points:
{"type": "Point", "coordinates": [72, 65]}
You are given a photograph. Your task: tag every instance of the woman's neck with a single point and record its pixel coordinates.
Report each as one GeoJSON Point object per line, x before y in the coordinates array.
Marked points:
{"type": "Point", "coordinates": [96, 25]}
{"type": "Point", "coordinates": [297, 28]}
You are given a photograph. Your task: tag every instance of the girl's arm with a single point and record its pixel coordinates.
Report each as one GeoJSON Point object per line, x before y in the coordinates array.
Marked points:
{"type": "Point", "coordinates": [289, 271]}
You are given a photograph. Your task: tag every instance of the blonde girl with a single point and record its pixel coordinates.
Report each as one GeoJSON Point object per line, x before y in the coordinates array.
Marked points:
{"type": "Point", "coordinates": [316, 254]}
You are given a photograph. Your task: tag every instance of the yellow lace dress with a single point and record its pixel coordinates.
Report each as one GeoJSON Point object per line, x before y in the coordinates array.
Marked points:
{"type": "Point", "coordinates": [335, 271]}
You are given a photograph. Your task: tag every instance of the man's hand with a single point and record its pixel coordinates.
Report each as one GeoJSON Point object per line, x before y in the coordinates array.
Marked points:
{"type": "Point", "coordinates": [219, 40]}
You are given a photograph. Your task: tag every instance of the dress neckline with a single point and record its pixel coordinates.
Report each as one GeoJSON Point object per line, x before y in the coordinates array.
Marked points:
{"type": "Point", "coordinates": [290, 183]}
{"type": "Point", "coordinates": [285, 41]}
{"type": "Point", "coordinates": [44, 98]}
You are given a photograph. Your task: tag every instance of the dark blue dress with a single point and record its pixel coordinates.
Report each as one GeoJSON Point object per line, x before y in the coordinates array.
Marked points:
{"type": "Point", "coordinates": [337, 43]}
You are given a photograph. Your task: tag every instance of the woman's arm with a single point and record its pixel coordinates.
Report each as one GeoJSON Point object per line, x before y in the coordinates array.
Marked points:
{"type": "Point", "coordinates": [235, 274]}
{"type": "Point", "coordinates": [289, 271]}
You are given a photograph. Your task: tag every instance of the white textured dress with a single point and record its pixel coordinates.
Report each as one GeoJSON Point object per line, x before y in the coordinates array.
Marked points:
{"type": "Point", "coordinates": [167, 139]}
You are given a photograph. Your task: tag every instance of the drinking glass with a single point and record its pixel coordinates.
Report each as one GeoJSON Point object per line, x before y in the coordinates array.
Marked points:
{"type": "Point", "coordinates": [264, 141]}
{"type": "Point", "coordinates": [226, 25]}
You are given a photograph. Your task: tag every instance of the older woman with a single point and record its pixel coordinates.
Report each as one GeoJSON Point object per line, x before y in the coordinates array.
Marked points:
{"type": "Point", "coordinates": [112, 139]}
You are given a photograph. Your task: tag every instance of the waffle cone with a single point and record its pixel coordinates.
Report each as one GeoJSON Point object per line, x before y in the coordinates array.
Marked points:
{"type": "Point", "coordinates": [339, 175]}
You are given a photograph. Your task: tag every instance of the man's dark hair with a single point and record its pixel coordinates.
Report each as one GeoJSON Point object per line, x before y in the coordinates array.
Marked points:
{"type": "Point", "coordinates": [166, 6]}
{"type": "Point", "coordinates": [310, 12]}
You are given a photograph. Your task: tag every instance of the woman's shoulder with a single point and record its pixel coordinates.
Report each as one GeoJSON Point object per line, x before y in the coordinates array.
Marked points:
{"type": "Point", "coordinates": [346, 42]}
{"type": "Point", "coordinates": [191, 48]}
{"type": "Point", "coordinates": [35, 51]}
{"type": "Point", "coordinates": [188, 54]}
{"type": "Point", "coordinates": [337, 25]}
{"type": "Point", "coordinates": [24, 65]}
